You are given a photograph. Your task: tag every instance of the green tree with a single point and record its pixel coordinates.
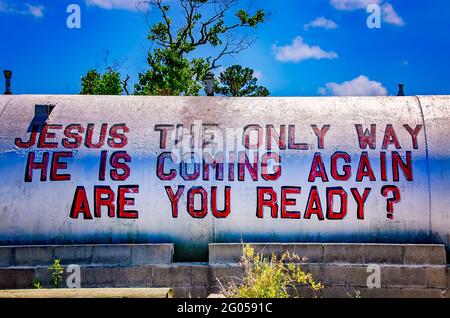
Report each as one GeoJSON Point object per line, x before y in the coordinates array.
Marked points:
{"type": "Point", "coordinates": [108, 83]}
{"type": "Point", "coordinates": [237, 81]}
{"type": "Point", "coordinates": [89, 82]}
{"type": "Point", "coordinates": [173, 68]}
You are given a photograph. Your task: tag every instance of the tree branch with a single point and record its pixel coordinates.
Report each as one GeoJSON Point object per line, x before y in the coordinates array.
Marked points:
{"type": "Point", "coordinates": [125, 84]}
{"type": "Point", "coordinates": [231, 48]}
{"type": "Point", "coordinates": [157, 3]}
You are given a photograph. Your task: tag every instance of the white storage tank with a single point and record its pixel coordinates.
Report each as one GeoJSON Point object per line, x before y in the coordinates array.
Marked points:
{"type": "Point", "coordinates": [197, 170]}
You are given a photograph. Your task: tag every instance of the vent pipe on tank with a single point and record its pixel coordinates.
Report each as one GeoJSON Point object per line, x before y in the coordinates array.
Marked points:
{"type": "Point", "coordinates": [8, 75]}
{"type": "Point", "coordinates": [401, 90]}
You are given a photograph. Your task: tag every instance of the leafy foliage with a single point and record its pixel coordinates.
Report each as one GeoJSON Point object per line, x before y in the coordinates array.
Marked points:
{"type": "Point", "coordinates": [56, 271]}
{"type": "Point", "coordinates": [237, 81]}
{"type": "Point", "coordinates": [171, 74]}
{"type": "Point", "coordinates": [269, 278]}
{"type": "Point", "coordinates": [172, 69]}
{"type": "Point", "coordinates": [108, 83]}
{"type": "Point", "coordinates": [354, 294]}
{"type": "Point", "coordinates": [37, 284]}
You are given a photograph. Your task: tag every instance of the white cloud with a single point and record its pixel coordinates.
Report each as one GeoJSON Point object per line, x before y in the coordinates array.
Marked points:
{"type": "Point", "coordinates": [321, 22]}
{"type": "Point", "coordinates": [35, 10]}
{"type": "Point", "coordinates": [258, 74]}
{"type": "Point", "coordinates": [353, 4]}
{"type": "Point", "coordinates": [360, 86]}
{"type": "Point", "coordinates": [118, 4]}
{"type": "Point", "coordinates": [299, 51]}
{"type": "Point", "coordinates": [390, 16]}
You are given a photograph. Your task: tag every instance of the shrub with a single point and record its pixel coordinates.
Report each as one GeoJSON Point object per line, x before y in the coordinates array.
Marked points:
{"type": "Point", "coordinates": [56, 271]}
{"type": "Point", "coordinates": [269, 278]}
{"type": "Point", "coordinates": [37, 283]}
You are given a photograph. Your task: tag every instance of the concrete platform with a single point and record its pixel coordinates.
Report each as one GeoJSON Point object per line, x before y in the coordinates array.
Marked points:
{"type": "Point", "coordinates": [330, 253]}
{"type": "Point", "coordinates": [105, 254]}
{"type": "Point", "coordinates": [201, 279]}
{"type": "Point", "coordinates": [89, 293]}
{"type": "Point", "coordinates": [406, 270]}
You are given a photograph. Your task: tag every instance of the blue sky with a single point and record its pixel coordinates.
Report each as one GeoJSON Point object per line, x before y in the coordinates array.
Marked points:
{"type": "Point", "coordinates": [307, 48]}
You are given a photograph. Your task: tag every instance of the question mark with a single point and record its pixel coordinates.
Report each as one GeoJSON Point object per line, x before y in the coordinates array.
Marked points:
{"type": "Point", "coordinates": [390, 202]}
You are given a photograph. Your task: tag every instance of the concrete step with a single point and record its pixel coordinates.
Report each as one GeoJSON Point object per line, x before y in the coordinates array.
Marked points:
{"type": "Point", "coordinates": [200, 279]}
{"type": "Point", "coordinates": [405, 270]}
{"type": "Point", "coordinates": [98, 254]}
{"type": "Point", "coordinates": [364, 292]}
{"type": "Point", "coordinates": [330, 253]}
